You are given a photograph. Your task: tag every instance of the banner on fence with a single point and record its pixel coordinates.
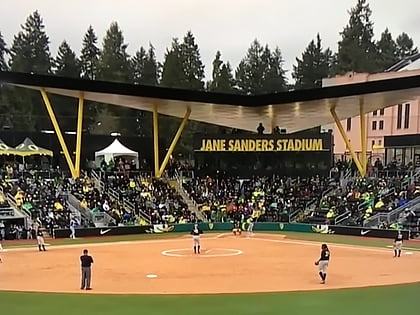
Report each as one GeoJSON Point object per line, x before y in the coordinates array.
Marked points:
{"type": "Point", "coordinates": [103, 231]}
{"type": "Point", "coordinates": [358, 231]}
{"type": "Point", "coordinates": [228, 226]}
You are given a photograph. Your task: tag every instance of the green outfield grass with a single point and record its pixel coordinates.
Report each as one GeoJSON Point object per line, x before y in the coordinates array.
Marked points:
{"type": "Point", "coordinates": [376, 300]}
{"type": "Point", "coordinates": [379, 300]}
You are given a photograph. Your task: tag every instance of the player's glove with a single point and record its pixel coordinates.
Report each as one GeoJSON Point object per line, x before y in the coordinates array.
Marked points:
{"type": "Point", "coordinates": [316, 263]}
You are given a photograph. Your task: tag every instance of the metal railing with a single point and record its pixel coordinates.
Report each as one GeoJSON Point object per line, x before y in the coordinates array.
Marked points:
{"type": "Point", "coordinates": [393, 215]}
{"type": "Point", "coordinates": [132, 208]}
{"type": "Point", "coordinates": [102, 218]}
{"type": "Point", "coordinates": [294, 214]}
{"type": "Point", "coordinates": [115, 195]}
{"type": "Point", "coordinates": [340, 218]}
{"type": "Point", "coordinates": [75, 213]}
{"type": "Point", "coordinates": [185, 195]}
{"type": "Point", "coordinates": [23, 212]}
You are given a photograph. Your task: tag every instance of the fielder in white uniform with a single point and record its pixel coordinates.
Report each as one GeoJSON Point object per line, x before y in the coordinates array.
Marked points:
{"type": "Point", "coordinates": [73, 224]}
{"type": "Point", "coordinates": [250, 229]}
{"type": "Point", "coordinates": [40, 239]}
{"type": "Point", "coordinates": [196, 232]}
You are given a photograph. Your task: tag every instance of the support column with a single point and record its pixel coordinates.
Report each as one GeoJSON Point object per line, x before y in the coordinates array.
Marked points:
{"type": "Point", "coordinates": [156, 140]}
{"type": "Point", "coordinates": [58, 132]}
{"type": "Point", "coordinates": [175, 141]}
{"type": "Point", "coordinates": [346, 140]}
{"type": "Point", "coordinates": [363, 139]}
{"type": "Point", "coordinates": [79, 131]}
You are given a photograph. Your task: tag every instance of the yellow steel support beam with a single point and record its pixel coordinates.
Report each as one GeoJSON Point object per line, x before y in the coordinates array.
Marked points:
{"type": "Point", "coordinates": [346, 140]}
{"type": "Point", "coordinates": [58, 132]}
{"type": "Point", "coordinates": [363, 139]}
{"type": "Point", "coordinates": [156, 140]}
{"type": "Point", "coordinates": [79, 131]}
{"type": "Point", "coordinates": [174, 141]}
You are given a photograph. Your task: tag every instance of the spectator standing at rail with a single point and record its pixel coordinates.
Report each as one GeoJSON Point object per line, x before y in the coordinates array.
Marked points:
{"type": "Point", "coordinates": [260, 129]}
{"type": "Point", "coordinates": [86, 262]}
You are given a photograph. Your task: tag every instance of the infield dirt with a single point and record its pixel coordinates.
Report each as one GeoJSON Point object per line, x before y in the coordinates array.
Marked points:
{"type": "Point", "coordinates": [228, 264]}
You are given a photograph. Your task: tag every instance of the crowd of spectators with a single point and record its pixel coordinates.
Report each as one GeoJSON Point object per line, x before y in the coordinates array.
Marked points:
{"type": "Point", "coordinates": [44, 199]}
{"type": "Point", "coordinates": [360, 199]}
{"type": "Point", "coordinates": [262, 198]}
{"type": "Point", "coordinates": [153, 197]}
{"type": "Point", "coordinates": [129, 197]}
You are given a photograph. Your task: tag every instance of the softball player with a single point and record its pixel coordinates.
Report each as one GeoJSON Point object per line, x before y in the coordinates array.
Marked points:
{"type": "Point", "coordinates": [196, 231]}
{"type": "Point", "coordinates": [322, 262]}
{"type": "Point", "coordinates": [398, 244]}
{"type": "Point", "coordinates": [73, 224]}
{"type": "Point", "coordinates": [237, 228]}
{"type": "Point", "coordinates": [40, 239]}
{"type": "Point", "coordinates": [250, 229]}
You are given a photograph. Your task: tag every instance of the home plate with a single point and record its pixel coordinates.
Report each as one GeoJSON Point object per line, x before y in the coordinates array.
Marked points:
{"type": "Point", "coordinates": [151, 276]}
{"type": "Point", "coordinates": [409, 253]}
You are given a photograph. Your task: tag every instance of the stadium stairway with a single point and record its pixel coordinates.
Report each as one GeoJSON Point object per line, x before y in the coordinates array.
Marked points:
{"type": "Point", "coordinates": [114, 195]}
{"type": "Point", "coordinates": [192, 206]}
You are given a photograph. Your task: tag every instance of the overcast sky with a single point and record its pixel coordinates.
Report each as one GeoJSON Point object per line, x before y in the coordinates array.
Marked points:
{"type": "Point", "coordinates": [228, 26]}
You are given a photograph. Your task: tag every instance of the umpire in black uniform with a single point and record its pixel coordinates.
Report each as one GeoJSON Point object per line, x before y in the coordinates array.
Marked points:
{"type": "Point", "coordinates": [87, 262]}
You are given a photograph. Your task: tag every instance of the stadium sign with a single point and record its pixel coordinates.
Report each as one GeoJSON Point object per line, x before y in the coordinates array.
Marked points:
{"type": "Point", "coordinates": [261, 143]}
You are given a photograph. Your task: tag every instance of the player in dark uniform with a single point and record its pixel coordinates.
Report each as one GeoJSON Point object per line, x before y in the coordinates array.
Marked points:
{"type": "Point", "coordinates": [196, 232]}
{"type": "Point", "coordinates": [237, 230]}
{"type": "Point", "coordinates": [323, 261]}
{"type": "Point", "coordinates": [398, 241]}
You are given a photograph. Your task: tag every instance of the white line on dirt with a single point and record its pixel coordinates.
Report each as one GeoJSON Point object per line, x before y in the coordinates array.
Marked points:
{"type": "Point", "coordinates": [410, 248]}
{"type": "Point", "coordinates": [310, 243]}
{"type": "Point", "coordinates": [52, 247]}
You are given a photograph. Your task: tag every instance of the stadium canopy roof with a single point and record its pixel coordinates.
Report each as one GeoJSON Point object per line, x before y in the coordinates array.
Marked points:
{"type": "Point", "coordinates": [293, 110]}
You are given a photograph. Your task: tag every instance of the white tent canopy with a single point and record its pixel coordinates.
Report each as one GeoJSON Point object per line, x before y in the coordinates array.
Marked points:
{"type": "Point", "coordinates": [116, 149]}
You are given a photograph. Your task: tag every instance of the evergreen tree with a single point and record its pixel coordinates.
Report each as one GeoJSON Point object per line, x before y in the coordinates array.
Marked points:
{"type": "Point", "coordinates": [274, 80]}
{"type": "Point", "coordinates": [3, 52]}
{"type": "Point", "coordinates": [30, 48]}
{"type": "Point", "coordinates": [405, 46]}
{"type": "Point", "coordinates": [191, 62]}
{"type": "Point", "coordinates": [151, 68]}
{"type": "Point", "coordinates": [3, 67]}
{"type": "Point", "coordinates": [66, 65]}
{"type": "Point", "coordinates": [222, 77]}
{"type": "Point", "coordinates": [114, 65]}
{"type": "Point", "coordinates": [29, 53]}
{"type": "Point", "coordinates": [173, 74]}
{"type": "Point", "coordinates": [313, 66]}
{"type": "Point", "coordinates": [182, 67]}
{"type": "Point", "coordinates": [89, 62]}
{"type": "Point", "coordinates": [387, 51]}
{"type": "Point", "coordinates": [66, 62]}
{"type": "Point", "coordinates": [114, 61]}
{"type": "Point", "coordinates": [261, 71]}
{"type": "Point", "coordinates": [145, 67]}
{"type": "Point", "coordinates": [250, 71]}
{"type": "Point", "coordinates": [356, 49]}
{"type": "Point", "coordinates": [89, 58]}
